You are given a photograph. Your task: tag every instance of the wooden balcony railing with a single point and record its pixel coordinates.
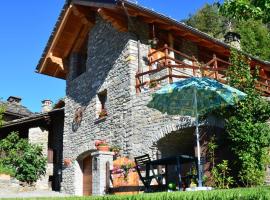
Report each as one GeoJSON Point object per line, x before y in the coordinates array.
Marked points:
{"type": "Point", "coordinates": [181, 66]}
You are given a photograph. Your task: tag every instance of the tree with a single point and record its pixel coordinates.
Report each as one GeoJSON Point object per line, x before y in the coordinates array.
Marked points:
{"type": "Point", "coordinates": [247, 9]}
{"type": "Point", "coordinates": [208, 20]}
{"type": "Point", "coordinates": [255, 38]}
{"type": "Point", "coordinates": [26, 159]}
{"type": "Point", "coordinates": [2, 109]}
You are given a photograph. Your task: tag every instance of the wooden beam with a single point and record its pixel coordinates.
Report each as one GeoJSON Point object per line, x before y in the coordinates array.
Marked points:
{"type": "Point", "coordinates": [135, 13]}
{"type": "Point", "coordinates": [70, 43]}
{"type": "Point", "coordinates": [57, 60]}
{"type": "Point", "coordinates": [57, 35]}
{"type": "Point", "coordinates": [149, 20]}
{"type": "Point", "coordinates": [95, 4]}
{"type": "Point", "coordinates": [118, 23]}
{"type": "Point", "coordinates": [56, 72]}
{"type": "Point", "coordinates": [81, 38]}
{"type": "Point", "coordinates": [168, 27]}
{"type": "Point", "coordinates": [83, 13]}
{"type": "Point", "coordinates": [80, 15]}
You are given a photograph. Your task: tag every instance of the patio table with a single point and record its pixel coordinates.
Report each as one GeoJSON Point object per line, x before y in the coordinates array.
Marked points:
{"type": "Point", "coordinates": [172, 160]}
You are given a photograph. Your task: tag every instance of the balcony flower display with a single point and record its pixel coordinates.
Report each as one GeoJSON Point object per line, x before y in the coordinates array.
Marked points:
{"type": "Point", "coordinates": [126, 166]}
{"type": "Point", "coordinates": [124, 174]}
{"type": "Point", "coordinates": [103, 113]}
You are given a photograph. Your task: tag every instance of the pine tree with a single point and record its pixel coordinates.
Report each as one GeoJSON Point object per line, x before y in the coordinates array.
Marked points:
{"type": "Point", "coordinates": [255, 36]}
{"type": "Point", "coordinates": [208, 20]}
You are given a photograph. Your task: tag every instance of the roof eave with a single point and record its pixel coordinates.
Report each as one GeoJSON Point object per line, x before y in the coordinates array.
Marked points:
{"type": "Point", "coordinates": [189, 28]}
{"type": "Point", "coordinates": [113, 3]}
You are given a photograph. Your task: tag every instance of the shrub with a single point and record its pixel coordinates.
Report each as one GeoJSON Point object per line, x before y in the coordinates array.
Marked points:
{"type": "Point", "coordinates": [246, 125]}
{"type": "Point", "coordinates": [221, 175]}
{"type": "Point", "coordinates": [27, 159]}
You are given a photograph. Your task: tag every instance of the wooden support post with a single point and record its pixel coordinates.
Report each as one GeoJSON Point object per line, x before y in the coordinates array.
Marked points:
{"type": "Point", "coordinates": [167, 64]}
{"type": "Point", "coordinates": [171, 45]}
{"type": "Point", "coordinates": [193, 65]}
{"type": "Point", "coordinates": [170, 74]}
{"type": "Point", "coordinates": [166, 54]}
{"type": "Point", "coordinates": [138, 82]}
{"type": "Point", "coordinates": [215, 66]}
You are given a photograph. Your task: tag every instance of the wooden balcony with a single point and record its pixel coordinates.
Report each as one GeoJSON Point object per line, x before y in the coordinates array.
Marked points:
{"type": "Point", "coordinates": [176, 66]}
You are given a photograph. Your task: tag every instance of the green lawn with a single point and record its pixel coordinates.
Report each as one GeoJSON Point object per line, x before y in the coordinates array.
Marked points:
{"type": "Point", "coordinates": [260, 193]}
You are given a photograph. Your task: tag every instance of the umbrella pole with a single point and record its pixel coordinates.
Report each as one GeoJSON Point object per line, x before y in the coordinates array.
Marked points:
{"type": "Point", "coordinates": [198, 139]}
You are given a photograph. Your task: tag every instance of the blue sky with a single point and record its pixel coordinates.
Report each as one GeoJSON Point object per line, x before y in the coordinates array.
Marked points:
{"type": "Point", "coordinates": [25, 29]}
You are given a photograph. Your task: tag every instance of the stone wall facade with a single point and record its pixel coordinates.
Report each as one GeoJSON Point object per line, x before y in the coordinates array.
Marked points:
{"type": "Point", "coordinates": [39, 136]}
{"type": "Point", "coordinates": [112, 63]}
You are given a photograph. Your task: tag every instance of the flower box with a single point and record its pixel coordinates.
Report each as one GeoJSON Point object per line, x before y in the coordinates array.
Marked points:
{"type": "Point", "coordinates": [125, 178]}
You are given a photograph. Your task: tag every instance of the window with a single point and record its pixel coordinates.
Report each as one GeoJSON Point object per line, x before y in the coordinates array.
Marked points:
{"type": "Point", "coordinates": [81, 67]}
{"type": "Point", "coordinates": [81, 59]}
{"type": "Point", "coordinates": [101, 104]}
{"type": "Point", "coordinates": [50, 155]}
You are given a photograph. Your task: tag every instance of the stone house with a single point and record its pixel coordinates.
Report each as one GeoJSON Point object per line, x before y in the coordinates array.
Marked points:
{"type": "Point", "coordinates": [14, 109]}
{"type": "Point", "coordinates": [44, 129]}
{"type": "Point", "coordinates": [113, 55]}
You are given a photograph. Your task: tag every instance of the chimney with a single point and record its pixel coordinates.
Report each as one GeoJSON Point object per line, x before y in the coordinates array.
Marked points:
{"type": "Point", "coordinates": [14, 100]}
{"type": "Point", "coordinates": [233, 39]}
{"type": "Point", "coordinates": [46, 106]}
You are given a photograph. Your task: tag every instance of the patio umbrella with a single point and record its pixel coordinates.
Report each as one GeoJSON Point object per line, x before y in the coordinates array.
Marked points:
{"type": "Point", "coordinates": [193, 97]}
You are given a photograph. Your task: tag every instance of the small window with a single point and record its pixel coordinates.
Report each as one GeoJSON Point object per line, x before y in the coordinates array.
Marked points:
{"type": "Point", "coordinates": [50, 155]}
{"type": "Point", "coordinates": [81, 68]}
{"type": "Point", "coordinates": [101, 104]}
{"type": "Point", "coordinates": [82, 59]}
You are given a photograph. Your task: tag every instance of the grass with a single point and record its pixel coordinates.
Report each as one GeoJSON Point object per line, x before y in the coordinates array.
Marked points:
{"type": "Point", "coordinates": [260, 193]}
{"type": "Point", "coordinates": [7, 170]}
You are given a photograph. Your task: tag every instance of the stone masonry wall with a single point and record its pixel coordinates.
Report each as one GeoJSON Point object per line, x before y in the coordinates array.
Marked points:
{"type": "Point", "coordinates": [112, 65]}
{"type": "Point", "coordinates": [39, 136]}
{"type": "Point", "coordinates": [107, 69]}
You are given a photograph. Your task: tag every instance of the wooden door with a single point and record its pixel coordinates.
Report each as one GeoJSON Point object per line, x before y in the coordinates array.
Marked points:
{"type": "Point", "coordinates": [87, 176]}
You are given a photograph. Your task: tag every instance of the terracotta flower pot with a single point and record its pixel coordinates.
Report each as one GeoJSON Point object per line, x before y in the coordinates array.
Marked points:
{"type": "Point", "coordinates": [67, 162]}
{"type": "Point", "coordinates": [103, 148]}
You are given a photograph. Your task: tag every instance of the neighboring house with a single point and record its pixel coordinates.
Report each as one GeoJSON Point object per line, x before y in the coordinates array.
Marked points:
{"type": "Point", "coordinates": [14, 109]}
{"type": "Point", "coordinates": [101, 49]}
{"type": "Point", "coordinates": [44, 129]}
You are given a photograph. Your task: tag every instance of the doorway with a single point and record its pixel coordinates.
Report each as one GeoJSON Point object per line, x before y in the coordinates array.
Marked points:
{"type": "Point", "coordinates": [87, 176]}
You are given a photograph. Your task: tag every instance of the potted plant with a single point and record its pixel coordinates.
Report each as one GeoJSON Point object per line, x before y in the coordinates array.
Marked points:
{"type": "Point", "coordinates": [102, 145]}
{"type": "Point", "coordinates": [103, 113]}
{"type": "Point", "coordinates": [115, 149]}
{"type": "Point", "coordinates": [124, 175]}
{"type": "Point", "coordinates": [153, 84]}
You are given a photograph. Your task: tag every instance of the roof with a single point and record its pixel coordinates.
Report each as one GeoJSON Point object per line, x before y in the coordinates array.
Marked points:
{"type": "Point", "coordinates": [182, 24]}
{"type": "Point", "coordinates": [32, 118]}
{"type": "Point", "coordinates": [119, 4]}
{"type": "Point", "coordinates": [16, 109]}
